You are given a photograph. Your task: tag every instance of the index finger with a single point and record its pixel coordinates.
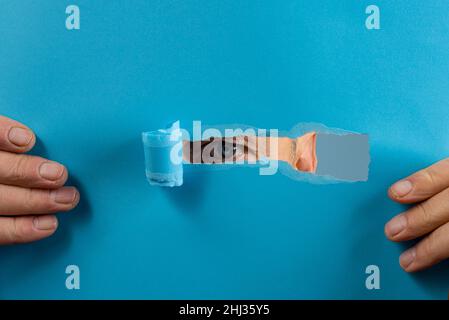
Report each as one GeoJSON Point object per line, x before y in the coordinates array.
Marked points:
{"type": "Point", "coordinates": [14, 136]}
{"type": "Point", "coordinates": [422, 184]}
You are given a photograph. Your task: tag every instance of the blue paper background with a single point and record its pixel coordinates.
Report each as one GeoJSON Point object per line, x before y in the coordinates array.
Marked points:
{"type": "Point", "coordinates": [136, 65]}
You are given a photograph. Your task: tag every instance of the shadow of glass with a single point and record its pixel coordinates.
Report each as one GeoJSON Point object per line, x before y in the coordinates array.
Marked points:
{"type": "Point", "coordinates": [189, 197]}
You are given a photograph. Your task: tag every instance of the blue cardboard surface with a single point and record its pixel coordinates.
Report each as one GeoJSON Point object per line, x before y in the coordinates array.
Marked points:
{"type": "Point", "coordinates": [136, 65]}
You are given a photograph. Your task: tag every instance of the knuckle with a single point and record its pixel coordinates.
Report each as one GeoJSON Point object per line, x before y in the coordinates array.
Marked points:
{"type": "Point", "coordinates": [428, 252]}
{"type": "Point", "coordinates": [38, 201]}
{"type": "Point", "coordinates": [426, 219]}
{"type": "Point", "coordinates": [29, 200]}
{"type": "Point", "coordinates": [11, 231]}
{"type": "Point", "coordinates": [429, 177]}
{"type": "Point", "coordinates": [17, 171]}
{"type": "Point", "coordinates": [16, 232]}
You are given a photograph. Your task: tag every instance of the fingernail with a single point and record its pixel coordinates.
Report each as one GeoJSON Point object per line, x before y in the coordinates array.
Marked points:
{"type": "Point", "coordinates": [45, 222]}
{"type": "Point", "coordinates": [51, 170]}
{"type": "Point", "coordinates": [401, 188]}
{"type": "Point", "coordinates": [64, 195]}
{"type": "Point", "coordinates": [406, 259]}
{"type": "Point", "coordinates": [20, 137]}
{"type": "Point", "coordinates": [396, 225]}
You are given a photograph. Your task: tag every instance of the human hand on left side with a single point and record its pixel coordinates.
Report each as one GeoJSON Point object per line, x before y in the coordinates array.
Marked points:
{"type": "Point", "coordinates": [31, 188]}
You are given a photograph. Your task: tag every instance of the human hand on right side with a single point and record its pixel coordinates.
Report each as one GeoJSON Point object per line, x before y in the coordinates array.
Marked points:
{"type": "Point", "coordinates": [429, 189]}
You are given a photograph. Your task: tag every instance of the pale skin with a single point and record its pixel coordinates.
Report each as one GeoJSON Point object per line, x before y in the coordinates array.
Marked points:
{"type": "Point", "coordinates": [31, 188]}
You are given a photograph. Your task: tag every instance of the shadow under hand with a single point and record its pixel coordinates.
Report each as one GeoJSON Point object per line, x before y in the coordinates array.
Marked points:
{"type": "Point", "coordinates": [24, 259]}
{"type": "Point", "coordinates": [39, 149]}
{"type": "Point", "coordinates": [435, 280]}
{"type": "Point", "coordinates": [80, 215]}
{"type": "Point", "coordinates": [67, 223]}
